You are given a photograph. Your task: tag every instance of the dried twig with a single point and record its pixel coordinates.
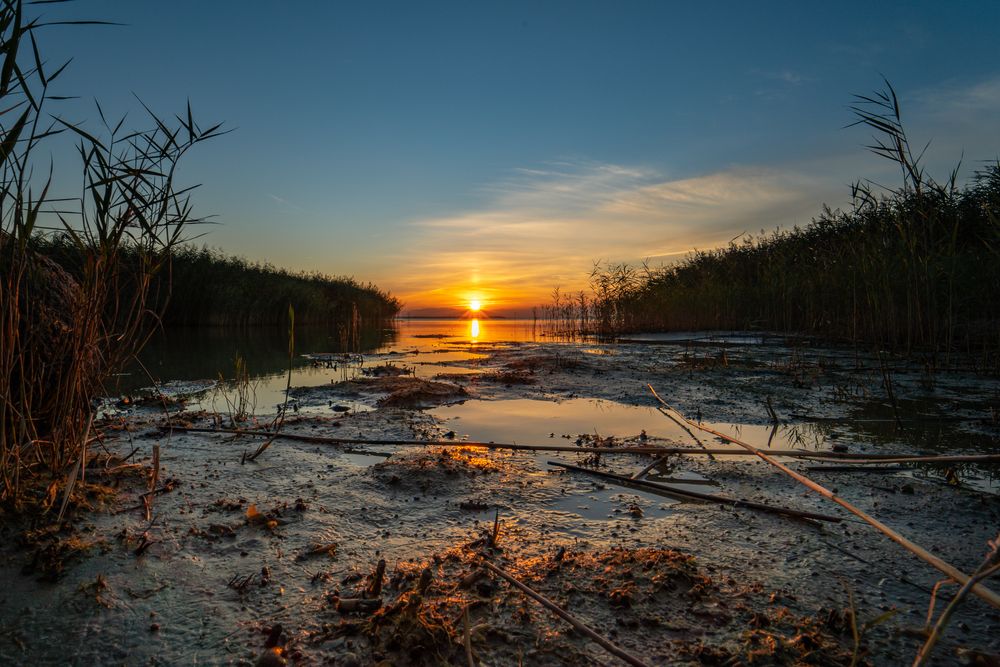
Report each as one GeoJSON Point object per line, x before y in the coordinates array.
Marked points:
{"type": "Point", "coordinates": [467, 637]}
{"type": "Point", "coordinates": [685, 493]}
{"type": "Point", "coordinates": [77, 469]}
{"type": "Point", "coordinates": [375, 589]}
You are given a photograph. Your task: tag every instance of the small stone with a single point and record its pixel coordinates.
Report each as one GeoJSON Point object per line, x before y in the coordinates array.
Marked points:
{"type": "Point", "coordinates": [154, 627]}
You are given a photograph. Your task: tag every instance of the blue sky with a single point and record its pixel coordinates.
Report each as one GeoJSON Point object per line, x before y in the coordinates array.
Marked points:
{"type": "Point", "coordinates": [453, 150]}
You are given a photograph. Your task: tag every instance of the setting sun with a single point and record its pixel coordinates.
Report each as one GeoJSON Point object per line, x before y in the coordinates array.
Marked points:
{"type": "Point", "coordinates": [474, 305]}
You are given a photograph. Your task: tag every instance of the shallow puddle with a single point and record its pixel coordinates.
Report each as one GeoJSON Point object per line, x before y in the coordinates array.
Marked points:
{"type": "Point", "coordinates": [532, 421]}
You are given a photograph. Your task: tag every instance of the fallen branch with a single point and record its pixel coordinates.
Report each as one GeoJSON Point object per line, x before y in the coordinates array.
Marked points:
{"type": "Point", "coordinates": [896, 537]}
{"type": "Point", "coordinates": [867, 459]}
{"type": "Point", "coordinates": [708, 497]}
{"type": "Point", "coordinates": [611, 648]}
{"type": "Point", "coordinates": [648, 449]}
{"type": "Point", "coordinates": [855, 468]}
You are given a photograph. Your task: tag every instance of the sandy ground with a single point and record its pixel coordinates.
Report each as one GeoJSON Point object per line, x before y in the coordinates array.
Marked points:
{"type": "Point", "coordinates": [259, 562]}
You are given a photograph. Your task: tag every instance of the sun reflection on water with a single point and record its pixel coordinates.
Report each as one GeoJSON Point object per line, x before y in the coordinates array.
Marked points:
{"type": "Point", "coordinates": [474, 329]}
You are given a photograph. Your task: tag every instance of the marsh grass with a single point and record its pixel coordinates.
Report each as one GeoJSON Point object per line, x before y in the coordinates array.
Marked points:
{"type": "Point", "coordinates": [913, 270]}
{"type": "Point", "coordinates": [239, 393]}
{"type": "Point", "coordinates": [65, 329]}
{"type": "Point", "coordinates": [206, 287]}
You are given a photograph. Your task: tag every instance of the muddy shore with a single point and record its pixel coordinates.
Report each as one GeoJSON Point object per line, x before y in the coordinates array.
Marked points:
{"type": "Point", "coordinates": [240, 558]}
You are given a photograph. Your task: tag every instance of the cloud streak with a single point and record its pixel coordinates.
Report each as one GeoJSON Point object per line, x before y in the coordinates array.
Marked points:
{"type": "Point", "coordinates": [545, 227]}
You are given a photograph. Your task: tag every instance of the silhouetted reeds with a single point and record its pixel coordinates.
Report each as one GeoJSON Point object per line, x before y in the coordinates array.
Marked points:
{"type": "Point", "coordinates": [64, 329]}
{"type": "Point", "coordinates": [911, 269]}
{"type": "Point", "coordinates": [209, 288]}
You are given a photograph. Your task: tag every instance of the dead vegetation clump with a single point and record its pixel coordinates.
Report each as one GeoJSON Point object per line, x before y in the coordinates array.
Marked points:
{"type": "Point", "coordinates": [400, 391]}
{"type": "Point", "coordinates": [432, 467]}
{"type": "Point", "coordinates": [77, 294]}
{"type": "Point", "coordinates": [419, 627]}
{"type": "Point", "coordinates": [386, 370]}
{"type": "Point", "coordinates": [778, 637]}
{"type": "Point", "coordinates": [412, 392]}
{"type": "Point", "coordinates": [53, 549]}
{"type": "Point", "coordinates": [654, 602]}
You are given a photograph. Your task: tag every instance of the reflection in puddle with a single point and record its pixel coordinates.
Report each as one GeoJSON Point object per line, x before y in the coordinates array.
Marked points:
{"type": "Point", "coordinates": [530, 421]}
{"type": "Point", "coordinates": [536, 421]}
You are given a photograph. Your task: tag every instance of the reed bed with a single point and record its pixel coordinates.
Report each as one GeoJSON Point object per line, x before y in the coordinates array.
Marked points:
{"type": "Point", "coordinates": [206, 287]}
{"type": "Point", "coordinates": [85, 281]}
{"type": "Point", "coordinates": [911, 269]}
{"type": "Point", "coordinates": [66, 328]}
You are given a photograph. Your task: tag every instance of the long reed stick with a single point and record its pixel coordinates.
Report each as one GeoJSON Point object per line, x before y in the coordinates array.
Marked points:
{"type": "Point", "coordinates": [657, 451]}
{"type": "Point", "coordinates": [914, 548]}
{"type": "Point", "coordinates": [665, 489]}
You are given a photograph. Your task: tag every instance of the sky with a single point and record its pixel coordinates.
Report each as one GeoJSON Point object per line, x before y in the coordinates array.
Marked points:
{"type": "Point", "coordinates": [456, 151]}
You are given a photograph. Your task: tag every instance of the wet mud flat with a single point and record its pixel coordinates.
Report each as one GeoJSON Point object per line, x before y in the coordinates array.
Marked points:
{"type": "Point", "coordinates": [245, 563]}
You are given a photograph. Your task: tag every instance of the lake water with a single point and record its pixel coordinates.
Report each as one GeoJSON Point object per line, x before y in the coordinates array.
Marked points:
{"type": "Point", "coordinates": [186, 360]}
{"type": "Point", "coordinates": [183, 360]}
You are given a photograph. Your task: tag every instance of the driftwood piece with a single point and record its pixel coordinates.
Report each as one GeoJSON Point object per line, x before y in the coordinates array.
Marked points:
{"type": "Point", "coordinates": [664, 489]}
{"type": "Point", "coordinates": [608, 646]}
{"type": "Point", "coordinates": [914, 548]}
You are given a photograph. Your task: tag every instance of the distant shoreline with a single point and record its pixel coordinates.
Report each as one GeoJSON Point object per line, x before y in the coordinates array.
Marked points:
{"type": "Point", "coordinates": [456, 317]}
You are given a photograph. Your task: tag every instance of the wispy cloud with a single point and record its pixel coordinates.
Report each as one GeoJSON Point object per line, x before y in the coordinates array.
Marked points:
{"type": "Point", "coordinates": [545, 226]}
{"type": "Point", "coordinates": [962, 101]}
{"type": "Point", "coordinates": [785, 75]}
{"type": "Point", "coordinates": [284, 203]}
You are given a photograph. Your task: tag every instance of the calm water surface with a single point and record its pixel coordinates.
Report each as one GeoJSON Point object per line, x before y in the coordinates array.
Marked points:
{"type": "Point", "coordinates": [182, 360]}
{"type": "Point", "coordinates": [185, 360]}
